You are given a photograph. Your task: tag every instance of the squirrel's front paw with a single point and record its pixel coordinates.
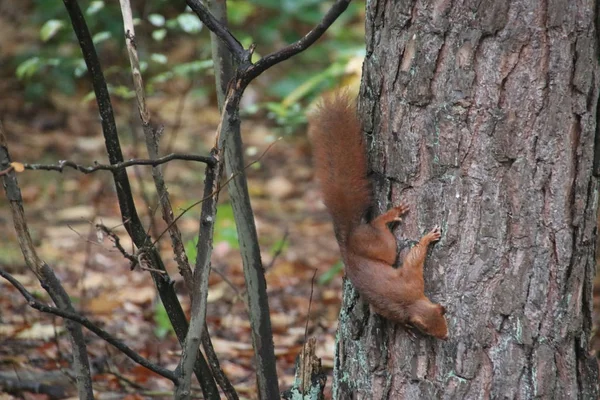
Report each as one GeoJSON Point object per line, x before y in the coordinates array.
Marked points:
{"type": "Point", "coordinates": [434, 235]}
{"type": "Point", "coordinates": [401, 210]}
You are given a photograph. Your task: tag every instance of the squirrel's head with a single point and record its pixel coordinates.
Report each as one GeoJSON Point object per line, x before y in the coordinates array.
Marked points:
{"type": "Point", "coordinates": [429, 318]}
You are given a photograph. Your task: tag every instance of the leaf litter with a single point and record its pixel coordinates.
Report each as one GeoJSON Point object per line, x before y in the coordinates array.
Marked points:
{"type": "Point", "coordinates": [64, 208]}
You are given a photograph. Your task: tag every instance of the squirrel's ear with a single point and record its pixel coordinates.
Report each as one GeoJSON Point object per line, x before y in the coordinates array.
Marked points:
{"type": "Point", "coordinates": [442, 309]}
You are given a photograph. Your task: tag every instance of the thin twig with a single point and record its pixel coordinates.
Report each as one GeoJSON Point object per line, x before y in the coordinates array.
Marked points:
{"type": "Point", "coordinates": [152, 137]}
{"type": "Point", "coordinates": [221, 187]}
{"type": "Point", "coordinates": [127, 206]}
{"type": "Point", "coordinates": [72, 316]}
{"type": "Point", "coordinates": [125, 380]}
{"type": "Point", "coordinates": [278, 250]}
{"type": "Point", "coordinates": [227, 281]}
{"type": "Point", "coordinates": [44, 273]}
{"type": "Point", "coordinates": [312, 288]}
{"type": "Point", "coordinates": [219, 29]}
{"type": "Point", "coordinates": [300, 45]}
{"type": "Point", "coordinates": [117, 242]}
{"type": "Point", "coordinates": [6, 171]}
{"type": "Point", "coordinates": [86, 240]}
{"type": "Point", "coordinates": [209, 160]}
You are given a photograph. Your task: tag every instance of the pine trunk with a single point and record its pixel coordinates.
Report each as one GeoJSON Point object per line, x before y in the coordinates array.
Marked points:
{"type": "Point", "coordinates": [482, 115]}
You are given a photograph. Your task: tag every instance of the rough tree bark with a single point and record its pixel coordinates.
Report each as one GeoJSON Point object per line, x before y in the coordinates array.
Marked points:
{"type": "Point", "coordinates": [482, 114]}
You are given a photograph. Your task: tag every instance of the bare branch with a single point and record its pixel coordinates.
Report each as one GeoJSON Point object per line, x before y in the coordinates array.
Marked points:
{"type": "Point", "coordinates": [62, 164]}
{"type": "Point", "coordinates": [152, 137]}
{"type": "Point", "coordinates": [134, 61]}
{"type": "Point", "coordinates": [229, 143]}
{"type": "Point", "coordinates": [44, 273]}
{"type": "Point", "coordinates": [129, 214]}
{"type": "Point", "coordinates": [217, 190]}
{"type": "Point", "coordinates": [202, 269]}
{"type": "Point", "coordinates": [117, 243]}
{"type": "Point", "coordinates": [220, 30]}
{"type": "Point", "coordinates": [34, 303]}
{"type": "Point", "coordinates": [305, 385]}
{"type": "Point", "coordinates": [248, 71]}
{"type": "Point", "coordinates": [7, 170]}
{"type": "Point", "coordinates": [300, 45]}
{"type": "Point", "coordinates": [223, 62]}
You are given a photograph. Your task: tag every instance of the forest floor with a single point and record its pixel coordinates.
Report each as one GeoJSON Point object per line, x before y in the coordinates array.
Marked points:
{"type": "Point", "coordinates": [62, 209]}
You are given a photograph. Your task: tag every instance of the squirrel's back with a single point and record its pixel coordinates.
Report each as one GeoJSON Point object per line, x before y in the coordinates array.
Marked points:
{"type": "Point", "coordinates": [340, 161]}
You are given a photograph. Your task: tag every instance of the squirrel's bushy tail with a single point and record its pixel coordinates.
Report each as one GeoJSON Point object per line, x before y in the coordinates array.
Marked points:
{"type": "Point", "coordinates": [340, 161]}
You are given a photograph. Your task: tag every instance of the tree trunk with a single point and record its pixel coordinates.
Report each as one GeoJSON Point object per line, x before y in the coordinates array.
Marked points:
{"type": "Point", "coordinates": [482, 115]}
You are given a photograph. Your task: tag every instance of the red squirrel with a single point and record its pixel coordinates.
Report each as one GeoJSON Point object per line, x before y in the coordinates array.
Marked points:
{"type": "Point", "coordinates": [369, 249]}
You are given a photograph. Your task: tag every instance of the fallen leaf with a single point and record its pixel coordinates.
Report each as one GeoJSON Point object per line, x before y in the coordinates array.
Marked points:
{"type": "Point", "coordinates": [40, 331]}
{"type": "Point", "coordinates": [17, 166]}
{"type": "Point", "coordinates": [139, 295]}
{"type": "Point", "coordinates": [280, 187]}
{"type": "Point", "coordinates": [75, 214]}
{"type": "Point", "coordinates": [103, 305]}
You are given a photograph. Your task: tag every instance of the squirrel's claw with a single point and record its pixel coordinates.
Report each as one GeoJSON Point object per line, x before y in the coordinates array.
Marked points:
{"type": "Point", "coordinates": [403, 208]}
{"type": "Point", "coordinates": [435, 233]}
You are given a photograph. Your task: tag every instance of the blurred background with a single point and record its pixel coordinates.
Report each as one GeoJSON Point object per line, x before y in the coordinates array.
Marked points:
{"type": "Point", "coordinates": [49, 114]}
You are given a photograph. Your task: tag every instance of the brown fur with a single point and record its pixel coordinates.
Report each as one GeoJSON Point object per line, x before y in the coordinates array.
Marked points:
{"type": "Point", "coordinates": [369, 250]}
{"type": "Point", "coordinates": [339, 154]}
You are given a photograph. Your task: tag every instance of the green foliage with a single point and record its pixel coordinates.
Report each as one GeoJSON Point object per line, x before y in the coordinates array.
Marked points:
{"type": "Point", "coordinates": [94, 7]}
{"type": "Point", "coordinates": [101, 37]}
{"type": "Point", "coordinates": [185, 70]}
{"type": "Point", "coordinates": [225, 231]}
{"type": "Point", "coordinates": [58, 63]}
{"type": "Point", "coordinates": [29, 67]}
{"type": "Point", "coordinates": [289, 113]}
{"type": "Point", "coordinates": [55, 70]}
{"type": "Point", "coordinates": [189, 23]}
{"type": "Point", "coordinates": [239, 12]}
{"type": "Point", "coordinates": [271, 24]}
{"type": "Point", "coordinates": [50, 29]}
{"type": "Point", "coordinates": [161, 319]}
{"type": "Point", "coordinates": [280, 246]}
{"type": "Point", "coordinates": [326, 277]}
{"type": "Point", "coordinates": [319, 69]}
